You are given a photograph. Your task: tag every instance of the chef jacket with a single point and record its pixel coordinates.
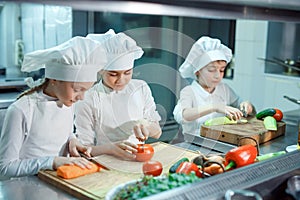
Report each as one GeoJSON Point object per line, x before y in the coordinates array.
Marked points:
{"type": "Point", "coordinates": [35, 130]}
{"type": "Point", "coordinates": [194, 95]}
{"type": "Point", "coordinates": [106, 115]}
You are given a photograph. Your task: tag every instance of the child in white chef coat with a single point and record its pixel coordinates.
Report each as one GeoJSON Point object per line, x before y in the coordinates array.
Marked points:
{"type": "Point", "coordinates": [207, 97]}
{"type": "Point", "coordinates": [118, 112]}
{"type": "Point", "coordinates": [38, 126]}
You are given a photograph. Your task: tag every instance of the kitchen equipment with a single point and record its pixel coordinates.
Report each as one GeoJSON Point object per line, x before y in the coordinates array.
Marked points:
{"type": "Point", "coordinates": [290, 68]}
{"type": "Point", "coordinates": [232, 133]}
{"type": "Point", "coordinates": [260, 177]}
{"type": "Point", "coordinates": [96, 185]}
{"type": "Point", "coordinates": [292, 99]}
{"type": "Point", "coordinates": [293, 186]}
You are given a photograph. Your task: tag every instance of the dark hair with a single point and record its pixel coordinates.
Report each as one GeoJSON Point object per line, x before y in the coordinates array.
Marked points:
{"type": "Point", "coordinates": [36, 88]}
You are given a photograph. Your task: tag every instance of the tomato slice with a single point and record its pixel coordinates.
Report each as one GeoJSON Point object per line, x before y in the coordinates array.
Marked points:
{"type": "Point", "coordinates": [152, 167]}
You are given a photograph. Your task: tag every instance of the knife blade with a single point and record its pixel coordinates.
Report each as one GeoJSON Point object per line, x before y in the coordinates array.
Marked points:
{"type": "Point", "coordinates": [92, 159]}
{"type": "Point", "coordinates": [244, 112]}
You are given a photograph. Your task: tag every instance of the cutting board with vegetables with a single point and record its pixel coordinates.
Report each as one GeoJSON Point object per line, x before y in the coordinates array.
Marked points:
{"type": "Point", "coordinates": [96, 185]}
{"type": "Point", "coordinates": [232, 133]}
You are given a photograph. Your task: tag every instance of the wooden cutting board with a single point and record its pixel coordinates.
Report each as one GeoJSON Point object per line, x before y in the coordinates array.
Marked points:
{"type": "Point", "coordinates": [95, 186]}
{"type": "Point", "coordinates": [232, 133]}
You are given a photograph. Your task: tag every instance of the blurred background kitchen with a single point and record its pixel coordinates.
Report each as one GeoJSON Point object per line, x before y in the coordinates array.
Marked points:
{"type": "Point", "coordinates": [265, 44]}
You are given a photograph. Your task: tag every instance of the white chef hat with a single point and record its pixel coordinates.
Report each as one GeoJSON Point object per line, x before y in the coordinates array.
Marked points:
{"type": "Point", "coordinates": [204, 51]}
{"type": "Point", "coordinates": [78, 59]}
{"type": "Point", "coordinates": [121, 50]}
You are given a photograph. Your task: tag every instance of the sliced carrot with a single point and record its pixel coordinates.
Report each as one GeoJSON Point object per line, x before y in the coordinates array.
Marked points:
{"type": "Point", "coordinates": [73, 171]}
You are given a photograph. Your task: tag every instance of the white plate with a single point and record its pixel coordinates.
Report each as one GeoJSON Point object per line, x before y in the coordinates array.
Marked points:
{"type": "Point", "coordinates": [291, 148]}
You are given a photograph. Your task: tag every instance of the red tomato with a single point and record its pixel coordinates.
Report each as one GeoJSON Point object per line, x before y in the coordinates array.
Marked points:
{"type": "Point", "coordinates": [152, 167]}
{"type": "Point", "coordinates": [144, 152]}
{"type": "Point", "coordinates": [187, 168]}
{"type": "Point", "coordinates": [278, 115]}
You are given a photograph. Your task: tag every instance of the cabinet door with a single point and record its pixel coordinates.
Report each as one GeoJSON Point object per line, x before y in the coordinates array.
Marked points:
{"type": "Point", "coordinates": [277, 87]}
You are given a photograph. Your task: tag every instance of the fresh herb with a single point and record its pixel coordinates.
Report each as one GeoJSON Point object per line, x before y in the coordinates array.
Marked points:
{"type": "Point", "coordinates": [150, 185]}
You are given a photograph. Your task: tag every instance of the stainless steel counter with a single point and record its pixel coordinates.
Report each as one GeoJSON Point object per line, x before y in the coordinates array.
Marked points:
{"type": "Point", "coordinates": [33, 188]}
{"type": "Point", "coordinates": [30, 187]}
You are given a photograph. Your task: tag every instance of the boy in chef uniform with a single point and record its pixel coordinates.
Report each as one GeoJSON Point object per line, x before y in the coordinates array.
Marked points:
{"type": "Point", "coordinates": [38, 126]}
{"type": "Point", "coordinates": [118, 112]}
{"type": "Point", "coordinates": [207, 97]}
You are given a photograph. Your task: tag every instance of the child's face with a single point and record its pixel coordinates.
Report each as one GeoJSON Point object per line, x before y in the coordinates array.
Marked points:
{"type": "Point", "coordinates": [211, 75]}
{"type": "Point", "coordinates": [70, 92]}
{"type": "Point", "coordinates": [116, 80]}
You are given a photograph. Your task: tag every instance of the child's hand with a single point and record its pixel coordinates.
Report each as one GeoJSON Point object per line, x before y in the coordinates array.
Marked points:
{"type": "Point", "coordinates": [231, 112]}
{"type": "Point", "coordinates": [141, 132]}
{"type": "Point", "coordinates": [81, 162]}
{"type": "Point", "coordinates": [123, 149]}
{"type": "Point", "coordinates": [75, 147]}
{"type": "Point", "coordinates": [247, 107]}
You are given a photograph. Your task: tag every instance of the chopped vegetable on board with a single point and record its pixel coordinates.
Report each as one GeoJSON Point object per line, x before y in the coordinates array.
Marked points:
{"type": "Point", "coordinates": [219, 121]}
{"type": "Point", "coordinates": [73, 171]}
{"type": "Point", "coordinates": [270, 123]}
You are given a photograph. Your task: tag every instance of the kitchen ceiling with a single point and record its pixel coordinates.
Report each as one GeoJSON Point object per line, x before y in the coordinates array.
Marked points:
{"type": "Point", "coordinates": [272, 10]}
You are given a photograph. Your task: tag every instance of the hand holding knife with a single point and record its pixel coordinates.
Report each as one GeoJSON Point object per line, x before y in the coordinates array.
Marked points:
{"type": "Point", "coordinates": [92, 159]}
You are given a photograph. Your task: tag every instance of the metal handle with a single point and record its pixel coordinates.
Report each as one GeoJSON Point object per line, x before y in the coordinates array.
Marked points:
{"type": "Point", "coordinates": [246, 193]}
{"type": "Point", "coordinates": [292, 99]}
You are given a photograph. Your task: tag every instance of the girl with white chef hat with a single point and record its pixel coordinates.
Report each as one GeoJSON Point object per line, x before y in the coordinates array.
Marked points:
{"type": "Point", "coordinates": [207, 97]}
{"type": "Point", "coordinates": [38, 126]}
{"type": "Point", "coordinates": [118, 112]}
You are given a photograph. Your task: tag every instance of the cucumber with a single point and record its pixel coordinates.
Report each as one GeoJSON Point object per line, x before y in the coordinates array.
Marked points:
{"type": "Point", "coordinates": [219, 121]}
{"type": "Point", "coordinates": [176, 165]}
{"type": "Point", "coordinates": [270, 123]}
{"type": "Point", "coordinates": [265, 113]}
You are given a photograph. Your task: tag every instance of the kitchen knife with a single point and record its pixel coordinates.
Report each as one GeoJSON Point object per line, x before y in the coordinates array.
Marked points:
{"type": "Point", "coordinates": [92, 159]}
{"type": "Point", "coordinates": [244, 112]}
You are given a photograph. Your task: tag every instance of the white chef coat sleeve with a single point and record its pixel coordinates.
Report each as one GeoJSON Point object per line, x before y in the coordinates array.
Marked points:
{"type": "Point", "coordinates": [185, 101]}
{"type": "Point", "coordinates": [234, 99]}
{"type": "Point", "coordinates": [85, 121]}
{"type": "Point", "coordinates": [11, 140]}
{"type": "Point", "coordinates": [150, 112]}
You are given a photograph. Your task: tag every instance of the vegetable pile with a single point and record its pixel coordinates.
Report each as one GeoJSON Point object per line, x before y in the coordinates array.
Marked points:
{"type": "Point", "coordinates": [150, 185]}
{"type": "Point", "coordinates": [270, 117]}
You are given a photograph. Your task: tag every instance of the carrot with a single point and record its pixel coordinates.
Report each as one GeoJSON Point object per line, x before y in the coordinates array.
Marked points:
{"type": "Point", "coordinates": [73, 171]}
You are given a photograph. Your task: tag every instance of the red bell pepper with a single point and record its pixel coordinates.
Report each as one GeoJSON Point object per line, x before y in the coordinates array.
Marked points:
{"type": "Point", "coordinates": [187, 168]}
{"type": "Point", "coordinates": [240, 156]}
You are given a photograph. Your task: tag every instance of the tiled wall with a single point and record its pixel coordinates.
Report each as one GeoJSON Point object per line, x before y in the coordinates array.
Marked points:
{"type": "Point", "coordinates": [250, 81]}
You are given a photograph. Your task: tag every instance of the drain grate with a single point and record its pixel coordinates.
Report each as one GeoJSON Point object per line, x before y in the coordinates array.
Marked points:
{"type": "Point", "coordinates": [216, 186]}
